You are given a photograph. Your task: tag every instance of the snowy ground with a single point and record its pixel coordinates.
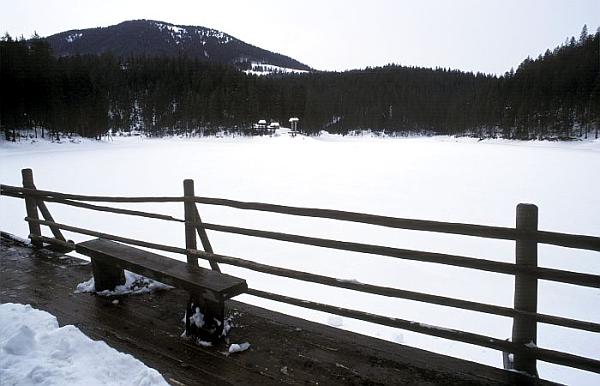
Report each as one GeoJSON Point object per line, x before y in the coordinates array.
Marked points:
{"type": "Point", "coordinates": [439, 178]}
{"type": "Point", "coordinates": [34, 350]}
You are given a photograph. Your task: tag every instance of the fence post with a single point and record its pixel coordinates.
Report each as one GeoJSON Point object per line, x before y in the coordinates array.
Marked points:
{"type": "Point", "coordinates": [190, 218]}
{"type": "Point", "coordinates": [524, 327]}
{"type": "Point", "coordinates": [46, 214]}
{"type": "Point", "coordinates": [31, 207]}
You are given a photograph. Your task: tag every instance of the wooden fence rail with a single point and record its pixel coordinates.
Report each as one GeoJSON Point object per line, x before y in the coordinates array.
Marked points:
{"type": "Point", "coordinates": [525, 269]}
{"type": "Point", "coordinates": [491, 232]}
{"type": "Point", "coordinates": [429, 257]}
{"type": "Point", "coordinates": [569, 277]}
{"type": "Point", "coordinates": [334, 282]}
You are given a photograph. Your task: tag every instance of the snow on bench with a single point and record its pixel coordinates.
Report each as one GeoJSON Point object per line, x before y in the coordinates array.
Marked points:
{"type": "Point", "coordinates": [208, 289]}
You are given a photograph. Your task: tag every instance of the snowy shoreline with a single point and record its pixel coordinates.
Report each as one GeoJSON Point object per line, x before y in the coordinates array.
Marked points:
{"type": "Point", "coordinates": [282, 133]}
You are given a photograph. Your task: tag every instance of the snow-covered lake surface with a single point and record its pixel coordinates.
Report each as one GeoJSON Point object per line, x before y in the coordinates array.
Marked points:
{"type": "Point", "coordinates": [440, 178]}
{"type": "Point", "coordinates": [34, 350]}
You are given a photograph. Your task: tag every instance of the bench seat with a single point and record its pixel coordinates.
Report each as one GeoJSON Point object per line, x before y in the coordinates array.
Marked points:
{"type": "Point", "coordinates": [195, 280]}
{"type": "Point", "coordinates": [208, 289]}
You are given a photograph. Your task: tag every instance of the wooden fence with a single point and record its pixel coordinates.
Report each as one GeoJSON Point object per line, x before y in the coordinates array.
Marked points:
{"type": "Point", "coordinates": [525, 269]}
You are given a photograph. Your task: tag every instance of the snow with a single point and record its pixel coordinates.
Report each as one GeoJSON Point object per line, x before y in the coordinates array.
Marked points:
{"type": "Point", "coordinates": [221, 37]}
{"type": "Point", "coordinates": [352, 281]}
{"type": "Point", "coordinates": [235, 347]}
{"type": "Point", "coordinates": [34, 350]}
{"type": "Point", "coordinates": [176, 31]}
{"type": "Point", "coordinates": [259, 68]}
{"type": "Point", "coordinates": [134, 284]}
{"type": "Point", "coordinates": [197, 318]}
{"type": "Point", "coordinates": [438, 178]}
{"type": "Point", "coordinates": [72, 37]}
{"type": "Point", "coordinates": [335, 321]}
{"type": "Point", "coordinates": [179, 32]}
{"type": "Point", "coordinates": [227, 326]}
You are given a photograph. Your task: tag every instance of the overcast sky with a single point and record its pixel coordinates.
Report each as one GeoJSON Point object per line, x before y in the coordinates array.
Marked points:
{"type": "Point", "coordinates": [477, 35]}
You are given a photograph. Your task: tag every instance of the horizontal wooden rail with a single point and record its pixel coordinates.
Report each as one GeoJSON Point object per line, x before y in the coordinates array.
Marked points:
{"type": "Point", "coordinates": [456, 335]}
{"type": "Point", "coordinates": [576, 278]}
{"type": "Point", "coordinates": [546, 355]}
{"type": "Point", "coordinates": [492, 232]}
{"type": "Point", "coordinates": [108, 236]}
{"type": "Point", "coordinates": [101, 208]}
{"type": "Point", "coordinates": [460, 261]}
{"type": "Point", "coordinates": [79, 197]}
{"type": "Point", "coordinates": [56, 242]}
{"type": "Point", "coordinates": [526, 269]}
{"type": "Point", "coordinates": [340, 283]}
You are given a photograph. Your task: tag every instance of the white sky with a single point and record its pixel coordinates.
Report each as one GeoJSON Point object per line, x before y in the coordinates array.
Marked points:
{"type": "Point", "coordinates": [476, 35]}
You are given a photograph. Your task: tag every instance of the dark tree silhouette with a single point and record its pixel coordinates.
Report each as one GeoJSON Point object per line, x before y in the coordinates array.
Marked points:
{"type": "Point", "coordinates": [556, 95]}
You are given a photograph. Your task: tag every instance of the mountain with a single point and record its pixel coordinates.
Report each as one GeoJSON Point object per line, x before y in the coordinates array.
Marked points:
{"type": "Point", "coordinates": [156, 38]}
{"type": "Point", "coordinates": [555, 96]}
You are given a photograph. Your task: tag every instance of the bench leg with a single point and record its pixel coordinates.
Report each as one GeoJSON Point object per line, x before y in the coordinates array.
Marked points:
{"type": "Point", "coordinates": [204, 319]}
{"type": "Point", "coordinates": [107, 276]}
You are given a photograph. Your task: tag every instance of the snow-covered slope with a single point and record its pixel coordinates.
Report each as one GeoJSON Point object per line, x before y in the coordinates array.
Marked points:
{"type": "Point", "coordinates": [258, 68]}
{"type": "Point", "coordinates": [439, 178]}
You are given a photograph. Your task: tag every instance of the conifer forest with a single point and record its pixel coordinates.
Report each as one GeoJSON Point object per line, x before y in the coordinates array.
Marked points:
{"type": "Point", "coordinates": [554, 96]}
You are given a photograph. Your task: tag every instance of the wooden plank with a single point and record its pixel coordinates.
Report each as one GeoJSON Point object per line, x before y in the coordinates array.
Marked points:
{"type": "Point", "coordinates": [190, 218]}
{"type": "Point", "coordinates": [101, 208]}
{"type": "Point", "coordinates": [31, 207]}
{"type": "Point", "coordinates": [29, 184]}
{"type": "Point", "coordinates": [543, 273]}
{"type": "Point", "coordinates": [48, 217]}
{"type": "Point", "coordinates": [311, 351]}
{"type": "Point", "coordinates": [492, 232]}
{"type": "Point", "coordinates": [252, 265]}
{"type": "Point", "coordinates": [550, 356]}
{"type": "Point", "coordinates": [546, 355]}
{"type": "Point", "coordinates": [81, 197]}
{"type": "Point", "coordinates": [109, 236]}
{"type": "Point", "coordinates": [204, 239]}
{"type": "Point", "coordinates": [169, 271]}
{"type": "Point", "coordinates": [362, 287]}
{"type": "Point", "coordinates": [524, 328]}
{"type": "Point", "coordinates": [429, 257]}
{"type": "Point", "coordinates": [410, 295]}
{"type": "Point", "coordinates": [64, 246]}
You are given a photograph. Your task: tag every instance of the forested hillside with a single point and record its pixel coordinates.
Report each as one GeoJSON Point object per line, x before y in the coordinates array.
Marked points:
{"type": "Point", "coordinates": [157, 38]}
{"type": "Point", "coordinates": [556, 95]}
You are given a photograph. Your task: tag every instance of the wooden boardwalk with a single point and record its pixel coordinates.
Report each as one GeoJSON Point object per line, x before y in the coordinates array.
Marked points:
{"type": "Point", "coordinates": [283, 349]}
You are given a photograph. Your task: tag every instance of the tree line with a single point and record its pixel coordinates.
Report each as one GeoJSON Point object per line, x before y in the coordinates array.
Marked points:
{"type": "Point", "coordinates": [556, 95]}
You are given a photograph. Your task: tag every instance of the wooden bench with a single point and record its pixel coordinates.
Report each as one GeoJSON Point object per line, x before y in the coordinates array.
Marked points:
{"type": "Point", "coordinates": [208, 289]}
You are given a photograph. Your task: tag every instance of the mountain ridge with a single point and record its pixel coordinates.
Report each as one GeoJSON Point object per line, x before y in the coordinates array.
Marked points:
{"type": "Point", "coordinates": [144, 37]}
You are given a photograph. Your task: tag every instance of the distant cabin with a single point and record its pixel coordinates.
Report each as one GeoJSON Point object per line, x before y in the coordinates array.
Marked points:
{"type": "Point", "coordinates": [262, 124]}
{"type": "Point", "coordinates": [294, 124]}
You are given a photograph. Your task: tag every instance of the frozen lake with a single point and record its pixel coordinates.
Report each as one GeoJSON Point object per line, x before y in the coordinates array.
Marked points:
{"type": "Point", "coordinates": [442, 178]}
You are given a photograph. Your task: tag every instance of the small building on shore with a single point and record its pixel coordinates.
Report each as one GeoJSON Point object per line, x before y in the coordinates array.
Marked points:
{"type": "Point", "coordinates": [293, 125]}
{"type": "Point", "coordinates": [262, 124]}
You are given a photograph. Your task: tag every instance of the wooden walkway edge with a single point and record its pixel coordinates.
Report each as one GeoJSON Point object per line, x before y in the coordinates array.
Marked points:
{"type": "Point", "coordinates": [283, 349]}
